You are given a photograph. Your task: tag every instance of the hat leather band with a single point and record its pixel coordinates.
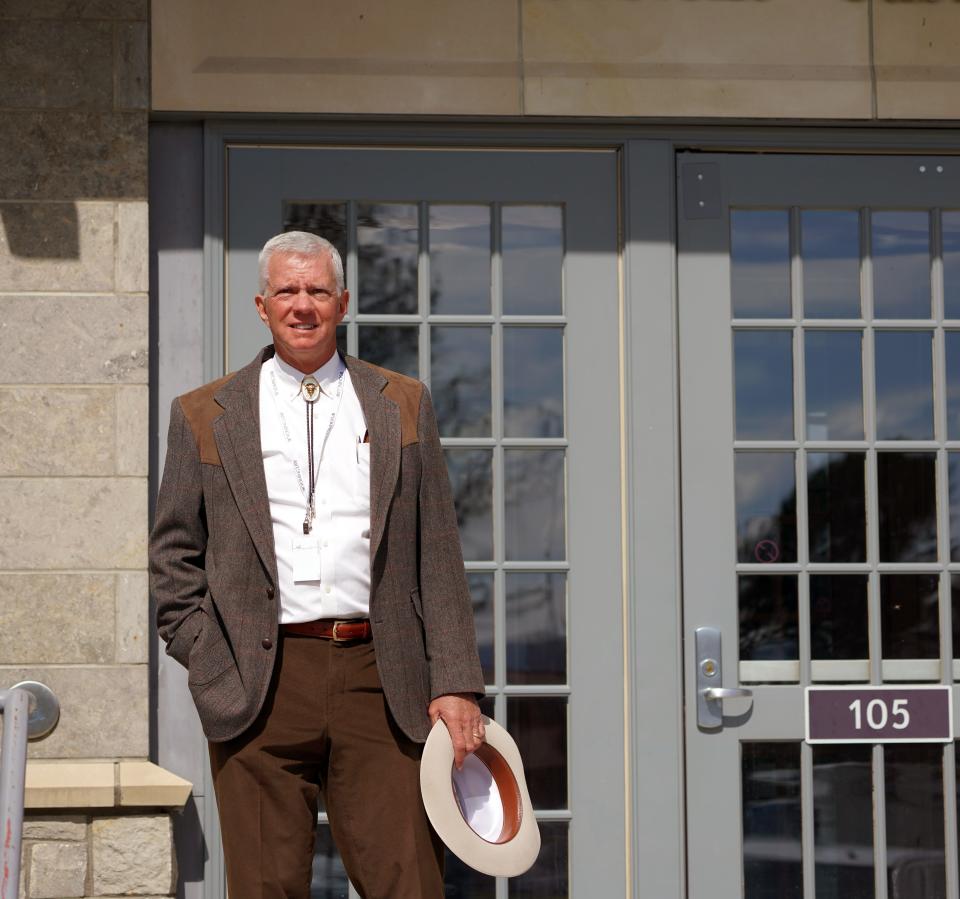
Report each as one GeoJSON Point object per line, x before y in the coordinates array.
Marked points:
{"type": "Point", "coordinates": [510, 796]}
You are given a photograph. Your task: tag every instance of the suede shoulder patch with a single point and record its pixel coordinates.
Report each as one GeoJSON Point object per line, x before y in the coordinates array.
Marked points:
{"type": "Point", "coordinates": [200, 410]}
{"type": "Point", "coordinates": [406, 393]}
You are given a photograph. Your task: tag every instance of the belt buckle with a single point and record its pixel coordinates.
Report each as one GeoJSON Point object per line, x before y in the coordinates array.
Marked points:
{"type": "Point", "coordinates": [336, 635]}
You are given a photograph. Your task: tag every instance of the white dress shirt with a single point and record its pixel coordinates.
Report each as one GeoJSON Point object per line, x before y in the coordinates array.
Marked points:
{"type": "Point", "coordinates": [326, 573]}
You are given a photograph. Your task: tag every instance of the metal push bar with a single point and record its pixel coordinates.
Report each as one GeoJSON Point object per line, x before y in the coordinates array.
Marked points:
{"type": "Point", "coordinates": [30, 712]}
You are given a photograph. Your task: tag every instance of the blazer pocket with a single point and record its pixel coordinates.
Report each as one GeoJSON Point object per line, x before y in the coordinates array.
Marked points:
{"type": "Point", "coordinates": [417, 603]}
{"type": "Point", "coordinates": [210, 655]}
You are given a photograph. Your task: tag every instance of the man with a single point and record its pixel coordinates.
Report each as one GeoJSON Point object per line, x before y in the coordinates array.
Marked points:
{"type": "Point", "coordinates": [308, 573]}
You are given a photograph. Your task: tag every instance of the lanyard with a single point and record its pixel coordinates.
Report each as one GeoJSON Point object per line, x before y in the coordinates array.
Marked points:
{"type": "Point", "coordinates": [309, 493]}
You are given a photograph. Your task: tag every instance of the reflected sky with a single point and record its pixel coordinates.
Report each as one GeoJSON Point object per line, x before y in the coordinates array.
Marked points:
{"type": "Point", "coordinates": [763, 370]}
{"type": "Point", "coordinates": [951, 264]}
{"type": "Point", "coordinates": [533, 382]}
{"type": "Point", "coordinates": [830, 241]}
{"type": "Point", "coordinates": [459, 259]}
{"type": "Point", "coordinates": [387, 251]}
{"type": "Point", "coordinates": [760, 263]}
{"type": "Point", "coordinates": [460, 379]}
{"type": "Point", "coordinates": [766, 507]}
{"type": "Point", "coordinates": [904, 380]}
{"type": "Point", "coordinates": [532, 247]}
{"type": "Point", "coordinates": [834, 381]}
{"type": "Point", "coordinates": [901, 264]}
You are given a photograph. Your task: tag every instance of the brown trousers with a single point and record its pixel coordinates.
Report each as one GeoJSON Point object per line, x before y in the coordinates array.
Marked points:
{"type": "Point", "coordinates": [325, 726]}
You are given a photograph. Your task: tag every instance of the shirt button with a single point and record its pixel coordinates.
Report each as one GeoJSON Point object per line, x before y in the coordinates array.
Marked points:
{"type": "Point", "coordinates": [270, 593]}
{"type": "Point", "coordinates": [266, 643]}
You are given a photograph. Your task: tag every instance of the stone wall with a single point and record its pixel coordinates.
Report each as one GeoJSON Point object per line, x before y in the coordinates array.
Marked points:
{"type": "Point", "coordinates": [73, 367]}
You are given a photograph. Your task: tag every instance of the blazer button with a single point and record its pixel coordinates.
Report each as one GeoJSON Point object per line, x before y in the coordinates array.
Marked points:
{"type": "Point", "coordinates": [270, 593]}
{"type": "Point", "coordinates": [266, 643]}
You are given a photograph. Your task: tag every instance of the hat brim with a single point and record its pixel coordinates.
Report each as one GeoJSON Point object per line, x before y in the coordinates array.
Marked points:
{"type": "Point", "coordinates": [514, 848]}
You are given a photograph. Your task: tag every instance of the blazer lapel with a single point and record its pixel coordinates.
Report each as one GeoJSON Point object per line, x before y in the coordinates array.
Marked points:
{"type": "Point", "coordinates": [237, 433]}
{"type": "Point", "coordinates": [383, 424]}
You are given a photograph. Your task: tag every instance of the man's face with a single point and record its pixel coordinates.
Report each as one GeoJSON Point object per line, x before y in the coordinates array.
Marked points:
{"type": "Point", "coordinates": [302, 308]}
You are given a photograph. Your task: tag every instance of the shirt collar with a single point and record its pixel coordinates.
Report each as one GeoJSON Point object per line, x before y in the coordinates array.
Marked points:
{"type": "Point", "coordinates": [327, 375]}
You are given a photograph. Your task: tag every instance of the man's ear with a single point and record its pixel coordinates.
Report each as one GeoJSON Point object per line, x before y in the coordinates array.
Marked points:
{"type": "Point", "coordinates": [261, 304]}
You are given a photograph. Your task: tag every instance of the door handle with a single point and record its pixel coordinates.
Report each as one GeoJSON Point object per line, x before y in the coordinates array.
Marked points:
{"type": "Point", "coordinates": [710, 689]}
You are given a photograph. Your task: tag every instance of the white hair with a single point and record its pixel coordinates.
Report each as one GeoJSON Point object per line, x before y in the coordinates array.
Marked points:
{"type": "Point", "coordinates": [304, 243]}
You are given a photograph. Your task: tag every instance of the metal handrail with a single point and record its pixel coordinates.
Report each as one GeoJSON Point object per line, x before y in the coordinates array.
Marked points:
{"type": "Point", "coordinates": [30, 712]}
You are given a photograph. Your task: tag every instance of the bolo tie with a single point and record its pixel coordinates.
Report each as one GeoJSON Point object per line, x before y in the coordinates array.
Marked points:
{"type": "Point", "coordinates": [310, 388]}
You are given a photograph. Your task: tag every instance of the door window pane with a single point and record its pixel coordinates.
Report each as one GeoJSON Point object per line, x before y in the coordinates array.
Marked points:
{"type": "Point", "coordinates": [909, 618]}
{"type": "Point", "coordinates": [834, 380]}
{"type": "Point", "coordinates": [843, 822]}
{"type": "Point", "coordinates": [830, 241]}
{"type": "Point", "coordinates": [951, 264]}
{"type": "Point", "coordinates": [534, 490]}
{"type": "Point", "coordinates": [329, 879]}
{"type": "Point", "coordinates": [901, 264]}
{"type": "Point", "coordinates": [387, 255]}
{"type": "Point", "coordinates": [915, 839]}
{"type": "Point", "coordinates": [955, 618]}
{"type": "Point", "coordinates": [953, 476]}
{"type": "Point", "coordinates": [771, 821]}
{"type": "Point", "coordinates": [838, 617]}
{"type": "Point", "coordinates": [904, 365]}
{"type": "Point", "coordinates": [768, 617]}
{"type": "Point", "coordinates": [763, 369]}
{"type": "Point", "coordinates": [538, 724]}
{"type": "Point", "coordinates": [532, 260]}
{"type": "Point", "coordinates": [481, 595]}
{"type": "Point", "coordinates": [549, 877]}
{"type": "Point", "coordinates": [536, 627]}
{"type": "Point", "coordinates": [460, 380]}
{"type": "Point", "coordinates": [836, 495]}
{"type": "Point", "coordinates": [460, 881]}
{"type": "Point", "coordinates": [533, 382]}
{"type": "Point", "coordinates": [391, 346]}
{"type": "Point", "coordinates": [906, 494]}
{"type": "Point", "coordinates": [471, 478]}
{"type": "Point", "coordinates": [329, 220]}
{"type": "Point", "coordinates": [459, 260]}
{"type": "Point", "coordinates": [952, 345]}
{"type": "Point", "coordinates": [766, 507]}
{"type": "Point", "coordinates": [760, 263]}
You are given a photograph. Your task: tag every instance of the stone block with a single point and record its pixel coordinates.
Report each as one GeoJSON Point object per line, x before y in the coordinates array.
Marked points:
{"type": "Point", "coordinates": [85, 9]}
{"type": "Point", "coordinates": [61, 783]}
{"type": "Point", "coordinates": [132, 61]}
{"type": "Point", "coordinates": [132, 856]}
{"type": "Point", "coordinates": [132, 605]}
{"type": "Point", "coordinates": [56, 246]}
{"type": "Point", "coordinates": [56, 64]}
{"type": "Point", "coordinates": [133, 430]}
{"type": "Point", "coordinates": [58, 431]}
{"type": "Point", "coordinates": [52, 154]}
{"type": "Point", "coordinates": [55, 827]}
{"type": "Point", "coordinates": [51, 523]}
{"type": "Point", "coordinates": [57, 619]}
{"type": "Point", "coordinates": [104, 710]}
{"type": "Point", "coordinates": [106, 336]}
{"type": "Point", "coordinates": [133, 248]}
{"type": "Point", "coordinates": [57, 870]}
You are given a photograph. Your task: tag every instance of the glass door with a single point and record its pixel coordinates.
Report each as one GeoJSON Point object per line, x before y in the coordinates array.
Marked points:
{"type": "Point", "coordinates": [820, 405]}
{"type": "Point", "coordinates": [492, 276]}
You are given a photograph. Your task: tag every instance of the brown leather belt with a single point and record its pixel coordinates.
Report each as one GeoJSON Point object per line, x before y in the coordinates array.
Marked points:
{"type": "Point", "coordinates": [340, 631]}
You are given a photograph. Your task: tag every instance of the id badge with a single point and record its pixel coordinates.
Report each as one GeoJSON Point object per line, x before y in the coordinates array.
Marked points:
{"type": "Point", "coordinates": [306, 559]}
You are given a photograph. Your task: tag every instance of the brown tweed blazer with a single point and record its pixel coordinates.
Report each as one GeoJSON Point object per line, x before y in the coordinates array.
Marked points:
{"type": "Point", "coordinates": [213, 566]}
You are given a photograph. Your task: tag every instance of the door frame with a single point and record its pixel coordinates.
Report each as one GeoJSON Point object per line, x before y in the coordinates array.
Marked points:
{"type": "Point", "coordinates": [183, 253]}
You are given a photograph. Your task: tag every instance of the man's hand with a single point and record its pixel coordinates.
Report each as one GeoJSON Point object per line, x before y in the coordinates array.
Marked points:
{"type": "Point", "coordinates": [461, 714]}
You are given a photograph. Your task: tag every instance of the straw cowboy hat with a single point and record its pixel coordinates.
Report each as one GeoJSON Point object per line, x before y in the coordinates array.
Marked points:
{"type": "Point", "coordinates": [482, 812]}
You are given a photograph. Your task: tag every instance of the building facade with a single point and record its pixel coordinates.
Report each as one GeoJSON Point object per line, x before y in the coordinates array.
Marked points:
{"type": "Point", "coordinates": [684, 278]}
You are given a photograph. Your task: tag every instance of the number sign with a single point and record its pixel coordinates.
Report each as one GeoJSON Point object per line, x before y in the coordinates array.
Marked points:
{"type": "Point", "coordinates": [909, 714]}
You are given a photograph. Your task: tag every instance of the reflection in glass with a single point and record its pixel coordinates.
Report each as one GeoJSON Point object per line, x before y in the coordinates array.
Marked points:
{"type": "Point", "coordinates": [830, 241]}
{"type": "Point", "coordinates": [771, 821]}
{"type": "Point", "coordinates": [909, 618]}
{"type": "Point", "coordinates": [536, 627]}
{"type": "Point", "coordinates": [916, 866]}
{"type": "Point", "coordinates": [834, 380]}
{"type": "Point", "coordinates": [460, 375]}
{"type": "Point", "coordinates": [953, 476]}
{"type": "Point", "coordinates": [533, 382]}
{"type": "Point", "coordinates": [763, 368]}
{"type": "Point", "coordinates": [838, 617]}
{"type": "Point", "coordinates": [532, 260]}
{"type": "Point", "coordinates": [760, 263]}
{"type": "Point", "coordinates": [904, 366]}
{"type": "Point", "coordinates": [843, 822]}
{"type": "Point", "coordinates": [459, 260]}
{"type": "Point", "coordinates": [539, 726]}
{"type": "Point", "coordinates": [768, 617]}
{"type": "Point", "coordinates": [481, 595]}
{"type": "Point", "coordinates": [460, 881]}
{"type": "Point", "coordinates": [329, 879]}
{"type": "Point", "coordinates": [534, 491]}
{"type": "Point", "coordinates": [951, 264]}
{"type": "Point", "coordinates": [901, 264]}
{"type": "Point", "coordinates": [342, 339]}
{"type": "Point", "coordinates": [955, 609]}
{"type": "Point", "coordinates": [836, 495]}
{"type": "Point", "coordinates": [766, 507]}
{"type": "Point", "coordinates": [952, 345]}
{"type": "Point", "coordinates": [471, 478]}
{"type": "Point", "coordinates": [906, 496]}
{"type": "Point", "coordinates": [387, 251]}
{"type": "Point", "coordinates": [548, 878]}
{"type": "Point", "coordinates": [392, 346]}
{"type": "Point", "coordinates": [329, 220]}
